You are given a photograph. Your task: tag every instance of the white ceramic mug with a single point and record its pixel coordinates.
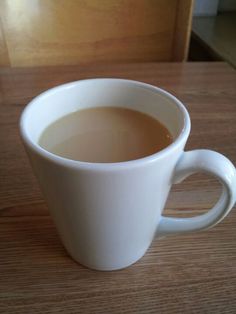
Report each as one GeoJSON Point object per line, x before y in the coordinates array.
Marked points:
{"type": "Point", "coordinates": [107, 214]}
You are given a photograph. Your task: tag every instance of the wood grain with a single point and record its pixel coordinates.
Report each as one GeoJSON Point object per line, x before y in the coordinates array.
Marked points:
{"type": "Point", "coordinates": [183, 23]}
{"type": "Point", "coordinates": [47, 32]}
{"type": "Point", "coordinates": [192, 273]}
{"type": "Point", "coordinates": [4, 58]}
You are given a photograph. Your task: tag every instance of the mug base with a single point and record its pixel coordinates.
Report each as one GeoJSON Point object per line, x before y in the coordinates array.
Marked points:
{"type": "Point", "coordinates": [107, 267]}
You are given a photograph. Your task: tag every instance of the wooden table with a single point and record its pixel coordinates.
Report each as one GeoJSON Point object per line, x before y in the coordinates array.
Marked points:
{"type": "Point", "coordinates": [192, 273]}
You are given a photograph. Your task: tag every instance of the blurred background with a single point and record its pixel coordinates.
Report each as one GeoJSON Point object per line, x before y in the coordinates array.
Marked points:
{"type": "Point", "coordinates": [69, 32]}
{"type": "Point", "coordinates": [214, 31]}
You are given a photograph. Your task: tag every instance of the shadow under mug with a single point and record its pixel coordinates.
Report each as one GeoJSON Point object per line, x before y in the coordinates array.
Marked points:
{"type": "Point", "coordinates": [107, 214]}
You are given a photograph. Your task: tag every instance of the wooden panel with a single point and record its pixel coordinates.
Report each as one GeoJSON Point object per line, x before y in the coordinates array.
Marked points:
{"type": "Point", "coordinates": [4, 60]}
{"type": "Point", "coordinates": [48, 32]}
{"type": "Point", "coordinates": [182, 30]}
{"type": "Point", "coordinates": [193, 273]}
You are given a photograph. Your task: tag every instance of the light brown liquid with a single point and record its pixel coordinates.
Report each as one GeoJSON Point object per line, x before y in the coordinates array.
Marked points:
{"type": "Point", "coordinates": [105, 134]}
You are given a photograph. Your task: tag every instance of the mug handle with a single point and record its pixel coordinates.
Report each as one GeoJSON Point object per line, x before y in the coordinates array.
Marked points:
{"type": "Point", "coordinates": [212, 163]}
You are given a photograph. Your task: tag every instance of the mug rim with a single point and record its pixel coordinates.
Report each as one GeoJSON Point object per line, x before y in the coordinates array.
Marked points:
{"type": "Point", "coordinates": [183, 135]}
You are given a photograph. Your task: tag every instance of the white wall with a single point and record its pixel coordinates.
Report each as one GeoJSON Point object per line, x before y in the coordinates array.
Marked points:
{"type": "Point", "coordinates": [210, 7]}
{"type": "Point", "coordinates": [205, 7]}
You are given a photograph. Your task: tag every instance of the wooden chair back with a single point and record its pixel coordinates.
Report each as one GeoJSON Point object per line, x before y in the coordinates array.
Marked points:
{"type": "Point", "coordinates": [63, 32]}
